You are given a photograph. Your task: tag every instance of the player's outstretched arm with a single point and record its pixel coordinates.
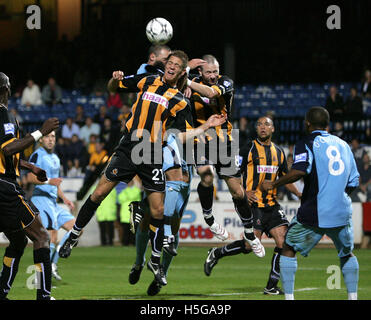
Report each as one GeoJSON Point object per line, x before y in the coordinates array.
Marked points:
{"type": "Point", "coordinates": [206, 91]}
{"type": "Point", "coordinates": [214, 121]}
{"type": "Point", "coordinates": [18, 145]}
{"type": "Point", "coordinates": [38, 173]}
{"type": "Point", "coordinates": [291, 177]}
{"type": "Point", "coordinates": [113, 83]}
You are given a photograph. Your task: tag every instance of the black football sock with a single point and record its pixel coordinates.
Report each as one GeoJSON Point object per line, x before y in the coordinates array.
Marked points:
{"type": "Point", "coordinates": [86, 212]}
{"type": "Point", "coordinates": [206, 196]}
{"type": "Point", "coordinates": [10, 268]}
{"type": "Point", "coordinates": [156, 236]}
{"type": "Point", "coordinates": [43, 266]}
{"type": "Point", "coordinates": [274, 275]}
{"type": "Point", "coordinates": [232, 249]}
{"type": "Point", "coordinates": [244, 212]}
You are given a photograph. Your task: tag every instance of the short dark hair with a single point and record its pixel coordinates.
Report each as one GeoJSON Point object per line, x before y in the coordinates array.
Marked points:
{"type": "Point", "coordinates": [157, 48]}
{"type": "Point", "coordinates": [318, 117]}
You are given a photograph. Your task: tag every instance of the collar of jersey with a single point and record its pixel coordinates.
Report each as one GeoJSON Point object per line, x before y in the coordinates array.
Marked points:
{"type": "Point", "coordinates": [322, 132]}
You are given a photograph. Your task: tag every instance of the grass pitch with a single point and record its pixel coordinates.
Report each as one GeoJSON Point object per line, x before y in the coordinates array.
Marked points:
{"type": "Point", "coordinates": [101, 273]}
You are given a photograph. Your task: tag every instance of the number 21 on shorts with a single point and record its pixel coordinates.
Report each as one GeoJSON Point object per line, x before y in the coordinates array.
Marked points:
{"type": "Point", "coordinates": [156, 175]}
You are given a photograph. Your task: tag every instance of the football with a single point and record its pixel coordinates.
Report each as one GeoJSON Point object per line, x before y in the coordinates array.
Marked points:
{"type": "Point", "coordinates": [159, 31]}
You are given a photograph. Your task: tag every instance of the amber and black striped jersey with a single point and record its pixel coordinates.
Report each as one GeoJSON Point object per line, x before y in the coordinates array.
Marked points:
{"type": "Point", "coordinates": [9, 131]}
{"type": "Point", "coordinates": [262, 162]}
{"type": "Point", "coordinates": [203, 107]}
{"type": "Point", "coordinates": [156, 102]}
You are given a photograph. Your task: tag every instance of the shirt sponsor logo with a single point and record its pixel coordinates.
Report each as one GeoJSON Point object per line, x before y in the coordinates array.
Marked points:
{"type": "Point", "coordinates": [154, 97]}
{"type": "Point", "coordinates": [302, 157]}
{"type": "Point", "coordinates": [9, 128]}
{"type": "Point", "coordinates": [267, 169]}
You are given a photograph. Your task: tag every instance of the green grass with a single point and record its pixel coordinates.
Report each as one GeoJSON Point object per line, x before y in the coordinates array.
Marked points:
{"type": "Point", "coordinates": [102, 273]}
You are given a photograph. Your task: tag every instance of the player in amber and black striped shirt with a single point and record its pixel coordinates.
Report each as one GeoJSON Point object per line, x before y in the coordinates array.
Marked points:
{"type": "Point", "coordinates": [262, 160]}
{"type": "Point", "coordinates": [19, 218]}
{"type": "Point", "coordinates": [158, 99]}
{"type": "Point", "coordinates": [219, 151]}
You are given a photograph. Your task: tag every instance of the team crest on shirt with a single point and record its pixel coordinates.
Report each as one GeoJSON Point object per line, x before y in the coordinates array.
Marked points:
{"type": "Point", "coordinates": [258, 222]}
{"type": "Point", "coordinates": [9, 128]}
{"type": "Point", "coordinates": [115, 171]}
{"type": "Point", "coordinates": [226, 83]}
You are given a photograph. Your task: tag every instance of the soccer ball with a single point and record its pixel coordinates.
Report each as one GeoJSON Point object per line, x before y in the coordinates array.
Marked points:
{"type": "Point", "coordinates": [159, 31]}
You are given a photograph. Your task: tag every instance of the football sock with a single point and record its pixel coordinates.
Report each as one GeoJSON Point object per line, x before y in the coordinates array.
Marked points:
{"type": "Point", "coordinates": [86, 212]}
{"type": "Point", "coordinates": [206, 195]}
{"type": "Point", "coordinates": [43, 273]}
{"type": "Point", "coordinates": [141, 244]}
{"type": "Point", "coordinates": [167, 258]}
{"type": "Point", "coordinates": [52, 251]}
{"type": "Point", "coordinates": [231, 249]}
{"type": "Point", "coordinates": [10, 268]}
{"type": "Point", "coordinates": [244, 212]}
{"type": "Point", "coordinates": [274, 275]}
{"type": "Point", "coordinates": [350, 269]}
{"type": "Point", "coordinates": [288, 267]}
{"type": "Point", "coordinates": [156, 236]}
{"type": "Point", "coordinates": [172, 191]}
{"type": "Point", "coordinates": [55, 256]}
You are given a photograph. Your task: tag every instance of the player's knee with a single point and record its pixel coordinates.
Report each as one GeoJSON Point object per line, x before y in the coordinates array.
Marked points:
{"type": "Point", "coordinates": [42, 238]}
{"type": "Point", "coordinates": [237, 193]}
{"type": "Point", "coordinates": [157, 212]}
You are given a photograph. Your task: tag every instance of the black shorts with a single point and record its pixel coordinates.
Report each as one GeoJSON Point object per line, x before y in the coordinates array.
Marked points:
{"type": "Point", "coordinates": [121, 168]}
{"type": "Point", "coordinates": [265, 219]}
{"type": "Point", "coordinates": [16, 213]}
{"type": "Point", "coordinates": [221, 155]}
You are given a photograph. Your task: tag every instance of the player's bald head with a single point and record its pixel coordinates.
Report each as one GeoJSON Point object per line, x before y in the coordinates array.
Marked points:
{"type": "Point", "coordinates": [318, 118]}
{"type": "Point", "coordinates": [210, 59]}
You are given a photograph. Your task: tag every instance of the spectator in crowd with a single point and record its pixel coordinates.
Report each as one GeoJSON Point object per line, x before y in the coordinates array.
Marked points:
{"type": "Point", "coordinates": [367, 139]}
{"type": "Point", "coordinates": [338, 129]}
{"type": "Point", "coordinates": [126, 196]}
{"type": "Point", "coordinates": [88, 129]}
{"type": "Point", "coordinates": [358, 152]}
{"type": "Point", "coordinates": [114, 100]}
{"type": "Point", "coordinates": [31, 95]}
{"type": "Point", "coordinates": [97, 158]}
{"type": "Point", "coordinates": [365, 176]}
{"type": "Point", "coordinates": [52, 93]}
{"type": "Point", "coordinates": [93, 139]}
{"type": "Point", "coordinates": [17, 116]}
{"type": "Point", "coordinates": [80, 115]}
{"type": "Point", "coordinates": [76, 156]}
{"type": "Point", "coordinates": [366, 85]}
{"type": "Point", "coordinates": [353, 106]}
{"type": "Point", "coordinates": [70, 128]}
{"type": "Point", "coordinates": [106, 216]}
{"type": "Point", "coordinates": [101, 115]}
{"type": "Point", "coordinates": [61, 149]}
{"type": "Point", "coordinates": [335, 104]}
{"type": "Point", "coordinates": [109, 134]}
{"type": "Point", "coordinates": [124, 112]}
